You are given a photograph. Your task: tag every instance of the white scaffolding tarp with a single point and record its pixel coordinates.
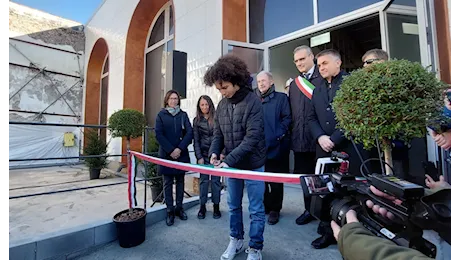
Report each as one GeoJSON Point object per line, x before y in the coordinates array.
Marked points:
{"type": "Point", "coordinates": [37, 141]}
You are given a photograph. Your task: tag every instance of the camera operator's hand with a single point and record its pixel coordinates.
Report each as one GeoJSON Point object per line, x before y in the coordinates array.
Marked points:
{"type": "Point", "coordinates": [377, 208]}
{"type": "Point", "coordinates": [430, 183]}
{"type": "Point", "coordinates": [326, 143]}
{"type": "Point", "coordinates": [351, 218]}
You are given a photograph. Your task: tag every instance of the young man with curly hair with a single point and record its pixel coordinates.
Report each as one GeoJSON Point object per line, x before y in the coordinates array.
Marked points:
{"type": "Point", "coordinates": [239, 128]}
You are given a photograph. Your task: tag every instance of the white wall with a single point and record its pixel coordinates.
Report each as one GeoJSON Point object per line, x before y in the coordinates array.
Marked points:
{"type": "Point", "coordinates": [452, 15]}
{"type": "Point", "coordinates": [198, 32]}
{"type": "Point", "coordinates": [111, 22]}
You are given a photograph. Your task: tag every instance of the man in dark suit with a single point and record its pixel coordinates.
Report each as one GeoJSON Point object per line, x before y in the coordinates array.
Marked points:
{"type": "Point", "coordinates": [300, 94]}
{"type": "Point", "coordinates": [321, 120]}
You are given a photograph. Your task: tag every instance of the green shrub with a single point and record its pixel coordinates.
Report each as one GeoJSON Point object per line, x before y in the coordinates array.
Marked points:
{"type": "Point", "coordinates": [95, 146]}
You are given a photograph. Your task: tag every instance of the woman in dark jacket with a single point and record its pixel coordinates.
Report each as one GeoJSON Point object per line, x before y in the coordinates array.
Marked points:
{"type": "Point", "coordinates": [174, 133]}
{"type": "Point", "coordinates": [202, 137]}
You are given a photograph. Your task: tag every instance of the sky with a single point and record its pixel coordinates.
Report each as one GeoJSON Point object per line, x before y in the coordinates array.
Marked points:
{"type": "Point", "coordinates": [79, 11]}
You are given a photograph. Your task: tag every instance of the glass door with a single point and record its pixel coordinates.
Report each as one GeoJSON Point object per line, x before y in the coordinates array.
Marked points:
{"type": "Point", "coordinates": [252, 54]}
{"type": "Point", "coordinates": [406, 32]}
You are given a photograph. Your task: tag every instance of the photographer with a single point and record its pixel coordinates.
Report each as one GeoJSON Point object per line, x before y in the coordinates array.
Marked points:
{"type": "Point", "coordinates": [356, 242]}
{"type": "Point", "coordinates": [443, 139]}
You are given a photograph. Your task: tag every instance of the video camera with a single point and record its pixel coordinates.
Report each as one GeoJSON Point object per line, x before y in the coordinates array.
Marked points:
{"type": "Point", "coordinates": [335, 192]}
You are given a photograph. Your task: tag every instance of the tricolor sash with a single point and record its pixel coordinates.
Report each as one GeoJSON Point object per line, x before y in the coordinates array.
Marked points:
{"type": "Point", "coordinates": [305, 86]}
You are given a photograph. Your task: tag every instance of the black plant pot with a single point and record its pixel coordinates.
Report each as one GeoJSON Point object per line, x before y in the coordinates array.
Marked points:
{"type": "Point", "coordinates": [155, 192]}
{"type": "Point", "coordinates": [130, 232]}
{"type": "Point", "coordinates": [94, 173]}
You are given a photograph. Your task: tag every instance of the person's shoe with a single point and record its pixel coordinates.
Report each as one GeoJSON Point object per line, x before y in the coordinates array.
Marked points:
{"type": "Point", "coordinates": [202, 212]}
{"type": "Point", "coordinates": [254, 254]}
{"type": "Point", "coordinates": [305, 218]}
{"type": "Point", "coordinates": [216, 213]}
{"type": "Point", "coordinates": [170, 218]}
{"type": "Point", "coordinates": [273, 218]}
{"type": "Point", "coordinates": [181, 214]}
{"type": "Point", "coordinates": [321, 230]}
{"type": "Point", "coordinates": [323, 241]}
{"type": "Point", "coordinates": [234, 247]}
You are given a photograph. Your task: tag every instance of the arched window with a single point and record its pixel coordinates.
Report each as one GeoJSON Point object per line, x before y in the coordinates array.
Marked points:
{"type": "Point", "coordinates": [160, 40]}
{"type": "Point", "coordinates": [104, 97]}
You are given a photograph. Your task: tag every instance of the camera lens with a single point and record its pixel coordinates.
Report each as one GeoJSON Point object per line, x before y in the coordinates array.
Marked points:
{"type": "Point", "coordinates": [339, 208]}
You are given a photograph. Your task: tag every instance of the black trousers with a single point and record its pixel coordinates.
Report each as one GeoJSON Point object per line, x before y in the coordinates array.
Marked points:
{"type": "Point", "coordinates": [168, 183]}
{"type": "Point", "coordinates": [305, 163]}
{"type": "Point", "coordinates": [274, 192]}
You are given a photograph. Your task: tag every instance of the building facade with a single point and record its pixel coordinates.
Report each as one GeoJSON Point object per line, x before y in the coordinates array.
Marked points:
{"type": "Point", "coordinates": [135, 36]}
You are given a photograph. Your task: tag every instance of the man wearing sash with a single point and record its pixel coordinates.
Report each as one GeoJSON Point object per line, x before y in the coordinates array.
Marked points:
{"type": "Point", "coordinates": [300, 95]}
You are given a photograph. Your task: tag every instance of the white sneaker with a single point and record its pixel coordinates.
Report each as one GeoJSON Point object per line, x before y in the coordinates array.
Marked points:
{"type": "Point", "coordinates": [254, 254]}
{"type": "Point", "coordinates": [234, 247]}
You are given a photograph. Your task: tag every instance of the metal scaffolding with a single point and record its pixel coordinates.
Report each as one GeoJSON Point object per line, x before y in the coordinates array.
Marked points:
{"type": "Point", "coordinates": [46, 74]}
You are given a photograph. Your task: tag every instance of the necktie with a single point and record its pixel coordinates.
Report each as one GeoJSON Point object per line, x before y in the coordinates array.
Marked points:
{"type": "Point", "coordinates": [306, 75]}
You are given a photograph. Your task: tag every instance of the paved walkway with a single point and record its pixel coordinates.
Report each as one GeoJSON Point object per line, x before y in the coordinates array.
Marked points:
{"type": "Point", "coordinates": [44, 215]}
{"type": "Point", "coordinates": [208, 238]}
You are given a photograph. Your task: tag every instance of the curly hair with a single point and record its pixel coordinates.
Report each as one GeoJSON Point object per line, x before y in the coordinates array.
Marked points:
{"type": "Point", "coordinates": [228, 68]}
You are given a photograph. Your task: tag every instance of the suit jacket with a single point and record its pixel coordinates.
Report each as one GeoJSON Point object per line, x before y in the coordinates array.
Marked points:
{"type": "Point", "coordinates": [301, 137]}
{"type": "Point", "coordinates": [321, 118]}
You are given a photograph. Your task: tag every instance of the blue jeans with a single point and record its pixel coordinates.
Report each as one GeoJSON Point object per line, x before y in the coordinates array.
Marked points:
{"type": "Point", "coordinates": [256, 190]}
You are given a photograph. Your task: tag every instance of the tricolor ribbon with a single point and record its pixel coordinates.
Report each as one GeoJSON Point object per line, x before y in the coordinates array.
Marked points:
{"type": "Point", "coordinates": [205, 169]}
{"type": "Point", "coordinates": [132, 165]}
{"type": "Point", "coordinates": [305, 86]}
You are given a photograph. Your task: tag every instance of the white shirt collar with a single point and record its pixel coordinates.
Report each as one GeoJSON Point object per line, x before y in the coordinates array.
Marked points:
{"type": "Point", "coordinates": [311, 70]}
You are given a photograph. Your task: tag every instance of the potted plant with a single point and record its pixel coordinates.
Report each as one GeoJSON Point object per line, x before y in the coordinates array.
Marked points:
{"type": "Point", "coordinates": [95, 146]}
{"type": "Point", "coordinates": [151, 169]}
{"type": "Point", "coordinates": [396, 99]}
{"type": "Point", "coordinates": [129, 124]}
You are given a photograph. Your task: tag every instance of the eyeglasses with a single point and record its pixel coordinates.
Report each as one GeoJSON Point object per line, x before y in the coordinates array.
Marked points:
{"type": "Point", "coordinates": [370, 61]}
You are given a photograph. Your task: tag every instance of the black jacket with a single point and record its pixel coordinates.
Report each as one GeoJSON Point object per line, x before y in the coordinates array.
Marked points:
{"type": "Point", "coordinates": [239, 128]}
{"type": "Point", "coordinates": [277, 118]}
{"type": "Point", "coordinates": [301, 137]}
{"type": "Point", "coordinates": [321, 117]}
{"type": "Point", "coordinates": [202, 138]}
{"type": "Point", "coordinates": [321, 120]}
{"type": "Point", "coordinates": [173, 132]}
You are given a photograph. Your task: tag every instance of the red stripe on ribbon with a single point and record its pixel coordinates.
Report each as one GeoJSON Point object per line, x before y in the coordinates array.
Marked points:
{"type": "Point", "coordinates": [232, 173]}
{"type": "Point", "coordinates": [129, 180]}
{"type": "Point", "coordinates": [304, 91]}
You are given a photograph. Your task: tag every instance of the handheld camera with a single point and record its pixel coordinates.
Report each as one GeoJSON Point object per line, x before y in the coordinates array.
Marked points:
{"type": "Point", "coordinates": [335, 193]}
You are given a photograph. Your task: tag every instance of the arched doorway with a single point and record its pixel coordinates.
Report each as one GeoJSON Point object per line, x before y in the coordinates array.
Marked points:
{"type": "Point", "coordinates": [159, 42]}
{"type": "Point", "coordinates": [97, 86]}
{"type": "Point", "coordinates": [104, 98]}
{"type": "Point", "coordinates": [135, 53]}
